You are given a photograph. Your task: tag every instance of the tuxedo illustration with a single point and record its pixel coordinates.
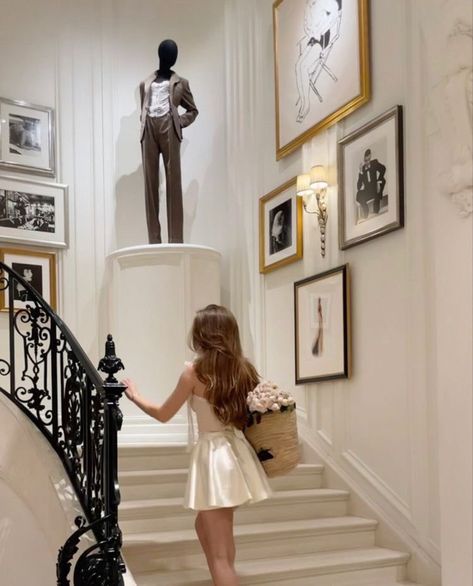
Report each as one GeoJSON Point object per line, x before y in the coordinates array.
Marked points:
{"type": "Point", "coordinates": [370, 184]}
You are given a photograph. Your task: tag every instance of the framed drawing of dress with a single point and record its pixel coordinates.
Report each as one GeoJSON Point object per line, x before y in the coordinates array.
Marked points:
{"type": "Point", "coordinates": [321, 59]}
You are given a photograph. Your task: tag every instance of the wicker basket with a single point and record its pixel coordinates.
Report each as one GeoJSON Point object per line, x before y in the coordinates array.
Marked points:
{"type": "Point", "coordinates": [275, 440]}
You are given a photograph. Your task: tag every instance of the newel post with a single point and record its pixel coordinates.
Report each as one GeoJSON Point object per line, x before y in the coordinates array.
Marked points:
{"type": "Point", "coordinates": [110, 364]}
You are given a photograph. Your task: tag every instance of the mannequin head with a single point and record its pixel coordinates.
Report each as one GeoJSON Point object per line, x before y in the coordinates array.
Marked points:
{"type": "Point", "coordinates": [167, 53]}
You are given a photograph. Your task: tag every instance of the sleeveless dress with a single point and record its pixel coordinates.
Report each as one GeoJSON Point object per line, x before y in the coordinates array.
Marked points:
{"type": "Point", "coordinates": [224, 469]}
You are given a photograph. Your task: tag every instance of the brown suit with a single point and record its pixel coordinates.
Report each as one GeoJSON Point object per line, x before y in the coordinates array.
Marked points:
{"type": "Point", "coordinates": [163, 135]}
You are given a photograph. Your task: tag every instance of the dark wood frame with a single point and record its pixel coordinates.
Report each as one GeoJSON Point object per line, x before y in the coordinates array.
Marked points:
{"type": "Point", "coordinates": [347, 350]}
{"type": "Point", "coordinates": [397, 113]}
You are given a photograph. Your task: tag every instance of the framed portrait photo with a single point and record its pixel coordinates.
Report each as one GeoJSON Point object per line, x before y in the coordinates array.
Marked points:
{"type": "Point", "coordinates": [322, 326]}
{"type": "Point", "coordinates": [33, 212]}
{"type": "Point", "coordinates": [322, 66]}
{"type": "Point", "coordinates": [27, 137]}
{"type": "Point", "coordinates": [38, 269]}
{"type": "Point", "coordinates": [281, 238]}
{"type": "Point", "coordinates": [371, 180]}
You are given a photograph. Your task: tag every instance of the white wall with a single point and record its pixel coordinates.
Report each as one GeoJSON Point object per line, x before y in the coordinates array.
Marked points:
{"type": "Point", "coordinates": [398, 425]}
{"type": "Point", "coordinates": [86, 60]}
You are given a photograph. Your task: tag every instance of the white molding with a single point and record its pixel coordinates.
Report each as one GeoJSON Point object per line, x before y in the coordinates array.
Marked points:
{"type": "Point", "coordinates": [376, 481]}
{"type": "Point", "coordinates": [325, 437]}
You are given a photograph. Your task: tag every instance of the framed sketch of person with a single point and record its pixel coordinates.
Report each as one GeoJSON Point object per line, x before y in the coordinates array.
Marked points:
{"type": "Point", "coordinates": [322, 66]}
{"type": "Point", "coordinates": [27, 137]}
{"type": "Point", "coordinates": [322, 326]}
{"type": "Point", "coordinates": [33, 212]}
{"type": "Point", "coordinates": [371, 180]}
{"type": "Point", "coordinates": [37, 268]}
{"type": "Point", "coordinates": [281, 238]}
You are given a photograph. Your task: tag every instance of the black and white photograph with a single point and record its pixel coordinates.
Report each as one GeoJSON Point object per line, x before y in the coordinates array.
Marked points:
{"type": "Point", "coordinates": [37, 269]}
{"type": "Point", "coordinates": [280, 227]}
{"type": "Point", "coordinates": [321, 55]}
{"type": "Point", "coordinates": [33, 212]}
{"type": "Point", "coordinates": [371, 180]}
{"type": "Point", "coordinates": [27, 211]}
{"type": "Point", "coordinates": [322, 326]}
{"type": "Point", "coordinates": [27, 137]}
{"type": "Point", "coordinates": [33, 275]}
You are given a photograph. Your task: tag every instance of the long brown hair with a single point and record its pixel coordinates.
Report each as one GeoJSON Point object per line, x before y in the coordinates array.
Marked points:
{"type": "Point", "coordinates": [220, 365]}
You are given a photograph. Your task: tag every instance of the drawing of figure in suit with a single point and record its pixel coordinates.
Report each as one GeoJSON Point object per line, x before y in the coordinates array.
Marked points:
{"type": "Point", "coordinates": [371, 183]}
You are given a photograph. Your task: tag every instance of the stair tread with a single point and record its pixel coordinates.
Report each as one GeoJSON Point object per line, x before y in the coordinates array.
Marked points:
{"type": "Point", "coordinates": [317, 563]}
{"type": "Point", "coordinates": [324, 525]}
{"type": "Point", "coordinates": [131, 474]}
{"type": "Point", "coordinates": [317, 493]}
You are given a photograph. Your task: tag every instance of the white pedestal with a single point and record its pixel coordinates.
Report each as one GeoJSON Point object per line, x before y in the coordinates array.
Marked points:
{"type": "Point", "coordinates": [155, 291]}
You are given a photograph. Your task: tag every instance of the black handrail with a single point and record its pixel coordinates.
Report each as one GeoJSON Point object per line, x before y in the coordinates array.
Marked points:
{"type": "Point", "coordinates": [64, 395]}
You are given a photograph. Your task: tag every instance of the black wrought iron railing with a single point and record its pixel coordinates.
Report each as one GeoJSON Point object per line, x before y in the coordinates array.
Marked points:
{"type": "Point", "coordinates": [47, 374]}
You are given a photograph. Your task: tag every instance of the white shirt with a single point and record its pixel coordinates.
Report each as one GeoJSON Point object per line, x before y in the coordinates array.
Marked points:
{"type": "Point", "coordinates": [159, 99]}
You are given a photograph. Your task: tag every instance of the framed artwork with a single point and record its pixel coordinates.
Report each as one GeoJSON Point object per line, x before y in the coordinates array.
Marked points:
{"type": "Point", "coordinates": [281, 240]}
{"type": "Point", "coordinates": [371, 180]}
{"type": "Point", "coordinates": [322, 326]}
{"type": "Point", "coordinates": [27, 137]}
{"type": "Point", "coordinates": [36, 268]}
{"type": "Point", "coordinates": [322, 66]}
{"type": "Point", "coordinates": [33, 212]}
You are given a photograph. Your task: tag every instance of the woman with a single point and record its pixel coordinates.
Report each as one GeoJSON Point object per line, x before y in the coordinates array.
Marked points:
{"type": "Point", "coordinates": [224, 470]}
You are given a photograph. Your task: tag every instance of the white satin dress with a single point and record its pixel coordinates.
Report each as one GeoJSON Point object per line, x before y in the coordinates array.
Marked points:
{"type": "Point", "coordinates": [224, 469]}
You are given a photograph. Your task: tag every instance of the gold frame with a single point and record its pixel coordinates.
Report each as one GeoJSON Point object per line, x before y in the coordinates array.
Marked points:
{"type": "Point", "coordinates": [299, 238]}
{"type": "Point", "coordinates": [51, 256]}
{"type": "Point", "coordinates": [365, 83]}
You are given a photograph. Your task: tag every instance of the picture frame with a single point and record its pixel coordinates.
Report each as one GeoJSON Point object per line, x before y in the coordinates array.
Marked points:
{"type": "Point", "coordinates": [371, 180]}
{"type": "Point", "coordinates": [280, 227]}
{"type": "Point", "coordinates": [322, 326]}
{"type": "Point", "coordinates": [27, 138]}
{"type": "Point", "coordinates": [36, 267]}
{"type": "Point", "coordinates": [321, 65]}
{"type": "Point", "coordinates": [33, 212]}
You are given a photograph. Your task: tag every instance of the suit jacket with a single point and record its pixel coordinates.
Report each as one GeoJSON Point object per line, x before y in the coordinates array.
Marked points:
{"type": "Point", "coordinates": [179, 95]}
{"type": "Point", "coordinates": [368, 178]}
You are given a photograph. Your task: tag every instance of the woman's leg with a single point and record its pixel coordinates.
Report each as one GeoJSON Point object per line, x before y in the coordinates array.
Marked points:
{"type": "Point", "coordinates": [217, 525]}
{"type": "Point", "coordinates": [199, 528]}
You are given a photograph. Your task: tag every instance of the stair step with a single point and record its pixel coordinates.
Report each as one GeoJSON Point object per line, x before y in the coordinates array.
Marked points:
{"type": "Point", "coordinates": [174, 550]}
{"type": "Point", "coordinates": [146, 484]}
{"type": "Point", "coordinates": [371, 566]}
{"type": "Point", "coordinates": [142, 516]}
{"type": "Point", "coordinates": [152, 456]}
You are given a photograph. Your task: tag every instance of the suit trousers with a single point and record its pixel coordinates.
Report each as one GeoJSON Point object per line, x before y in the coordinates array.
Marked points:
{"type": "Point", "coordinates": [160, 138]}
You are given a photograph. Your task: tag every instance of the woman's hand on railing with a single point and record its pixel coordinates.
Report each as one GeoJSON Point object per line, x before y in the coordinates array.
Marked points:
{"type": "Point", "coordinates": [132, 390]}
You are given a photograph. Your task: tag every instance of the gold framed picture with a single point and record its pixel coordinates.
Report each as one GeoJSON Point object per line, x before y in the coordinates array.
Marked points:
{"type": "Point", "coordinates": [37, 269]}
{"type": "Point", "coordinates": [280, 227]}
{"type": "Point", "coordinates": [322, 66]}
{"type": "Point", "coordinates": [322, 326]}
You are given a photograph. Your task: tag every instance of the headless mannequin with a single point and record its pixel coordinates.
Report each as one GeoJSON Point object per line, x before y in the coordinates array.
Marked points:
{"type": "Point", "coordinates": [161, 134]}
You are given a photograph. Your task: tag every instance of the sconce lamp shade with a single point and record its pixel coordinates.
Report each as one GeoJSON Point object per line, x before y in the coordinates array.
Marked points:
{"type": "Point", "coordinates": [303, 185]}
{"type": "Point", "coordinates": [318, 177]}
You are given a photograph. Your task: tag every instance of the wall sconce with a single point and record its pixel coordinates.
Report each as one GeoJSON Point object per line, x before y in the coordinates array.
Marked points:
{"type": "Point", "coordinates": [313, 190]}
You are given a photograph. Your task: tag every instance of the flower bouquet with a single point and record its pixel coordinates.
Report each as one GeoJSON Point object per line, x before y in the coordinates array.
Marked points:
{"type": "Point", "coordinates": [272, 428]}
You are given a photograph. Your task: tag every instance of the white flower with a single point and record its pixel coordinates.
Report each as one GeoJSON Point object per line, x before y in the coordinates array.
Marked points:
{"type": "Point", "coordinates": [274, 407]}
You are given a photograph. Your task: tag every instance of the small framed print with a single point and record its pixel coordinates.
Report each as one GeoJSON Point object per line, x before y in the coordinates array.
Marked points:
{"type": "Point", "coordinates": [322, 326]}
{"type": "Point", "coordinates": [281, 239]}
{"type": "Point", "coordinates": [33, 212]}
{"type": "Point", "coordinates": [371, 180]}
{"type": "Point", "coordinates": [36, 268]}
{"type": "Point", "coordinates": [27, 137]}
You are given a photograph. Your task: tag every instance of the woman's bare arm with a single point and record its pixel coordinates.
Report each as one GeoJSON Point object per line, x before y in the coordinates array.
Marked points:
{"type": "Point", "coordinates": [173, 403]}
